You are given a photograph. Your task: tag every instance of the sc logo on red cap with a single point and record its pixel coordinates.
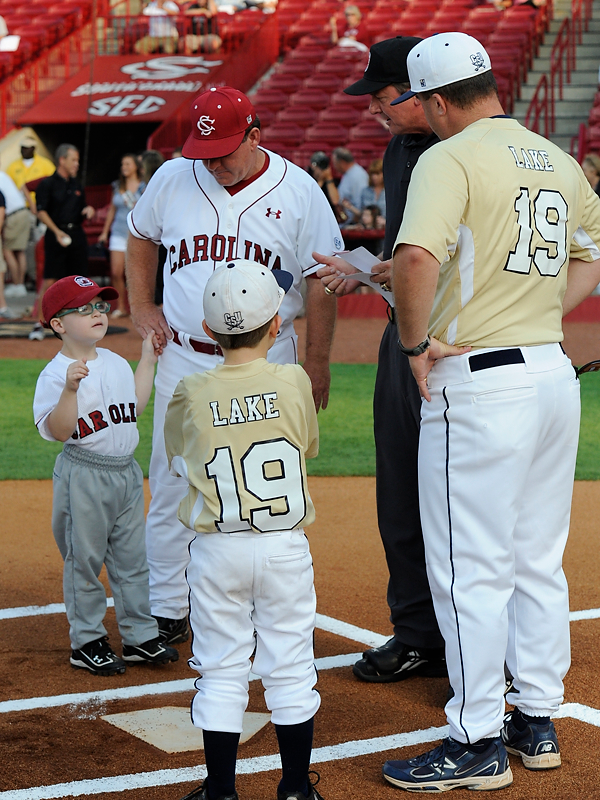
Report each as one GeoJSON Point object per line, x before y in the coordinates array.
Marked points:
{"type": "Point", "coordinates": [205, 125]}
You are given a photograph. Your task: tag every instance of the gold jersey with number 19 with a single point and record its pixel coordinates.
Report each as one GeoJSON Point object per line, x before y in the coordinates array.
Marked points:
{"type": "Point", "coordinates": [239, 435]}
{"type": "Point", "coordinates": [502, 209]}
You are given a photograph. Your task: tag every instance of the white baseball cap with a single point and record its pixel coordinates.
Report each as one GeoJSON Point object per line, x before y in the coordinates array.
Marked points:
{"type": "Point", "coordinates": [442, 59]}
{"type": "Point", "coordinates": [243, 295]}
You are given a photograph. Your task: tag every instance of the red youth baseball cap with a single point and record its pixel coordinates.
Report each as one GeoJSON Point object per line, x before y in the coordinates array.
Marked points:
{"type": "Point", "coordinates": [219, 120]}
{"type": "Point", "coordinates": [72, 292]}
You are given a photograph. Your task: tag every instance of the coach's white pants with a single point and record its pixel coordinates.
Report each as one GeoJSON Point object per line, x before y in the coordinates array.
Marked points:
{"type": "Point", "coordinates": [496, 465]}
{"type": "Point", "coordinates": [167, 540]}
{"type": "Point", "coordinates": [239, 583]}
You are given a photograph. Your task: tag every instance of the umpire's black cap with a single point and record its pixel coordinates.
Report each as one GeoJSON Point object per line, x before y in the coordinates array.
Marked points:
{"type": "Point", "coordinates": [387, 64]}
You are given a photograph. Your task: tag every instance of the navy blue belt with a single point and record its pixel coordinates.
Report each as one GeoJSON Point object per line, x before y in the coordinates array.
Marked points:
{"type": "Point", "coordinates": [496, 358]}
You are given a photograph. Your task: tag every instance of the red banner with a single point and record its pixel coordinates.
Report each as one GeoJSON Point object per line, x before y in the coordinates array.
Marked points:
{"type": "Point", "coordinates": [126, 89]}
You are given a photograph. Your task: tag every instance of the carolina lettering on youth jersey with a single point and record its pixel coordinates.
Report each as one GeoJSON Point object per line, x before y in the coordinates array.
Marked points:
{"type": "Point", "coordinates": [106, 403]}
{"type": "Point", "coordinates": [251, 477]}
{"type": "Point", "coordinates": [277, 220]}
{"type": "Point", "coordinates": [502, 221]}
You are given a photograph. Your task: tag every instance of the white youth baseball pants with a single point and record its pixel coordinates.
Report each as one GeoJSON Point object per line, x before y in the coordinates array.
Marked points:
{"type": "Point", "coordinates": [167, 540]}
{"type": "Point", "coordinates": [496, 466]}
{"type": "Point", "coordinates": [239, 583]}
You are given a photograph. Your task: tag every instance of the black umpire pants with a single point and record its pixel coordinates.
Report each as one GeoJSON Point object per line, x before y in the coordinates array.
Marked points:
{"type": "Point", "coordinates": [397, 417]}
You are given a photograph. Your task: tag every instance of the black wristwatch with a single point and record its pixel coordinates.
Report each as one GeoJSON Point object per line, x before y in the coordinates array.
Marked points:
{"type": "Point", "coordinates": [414, 351]}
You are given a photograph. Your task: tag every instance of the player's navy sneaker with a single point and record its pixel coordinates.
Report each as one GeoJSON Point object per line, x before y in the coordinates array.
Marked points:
{"type": "Point", "coordinates": [98, 657]}
{"type": "Point", "coordinates": [312, 792]}
{"type": "Point", "coordinates": [154, 651]}
{"type": "Point", "coordinates": [537, 744]}
{"type": "Point", "coordinates": [201, 793]}
{"type": "Point", "coordinates": [452, 766]}
{"type": "Point", "coordinates": [394, 661]}
{"type": "Point", "coordinates": [173, 631]}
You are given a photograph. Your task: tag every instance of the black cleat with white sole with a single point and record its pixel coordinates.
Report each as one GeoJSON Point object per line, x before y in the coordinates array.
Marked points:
{"type": "Point", "coordinates": [98, 657]}
{"type": "Point", "coordinates": [395, 661]}
{"type": "Point", "coordinates": [154, 651]}
{"type": "Point", "coordinates": [173, 631]}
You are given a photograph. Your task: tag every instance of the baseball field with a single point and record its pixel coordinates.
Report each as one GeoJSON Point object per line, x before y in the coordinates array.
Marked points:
{"type": "Point", "coordinates": [55, 742]}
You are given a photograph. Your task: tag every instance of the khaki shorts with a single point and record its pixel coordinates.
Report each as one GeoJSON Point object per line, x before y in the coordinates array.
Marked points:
{"type": "Point", "coordinates": [15, 233]}
{"type": "Point", "coordinates": [2, 261]}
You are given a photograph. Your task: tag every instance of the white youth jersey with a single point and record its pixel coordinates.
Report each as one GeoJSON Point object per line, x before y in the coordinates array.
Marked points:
{"type": "Point", "coordinates": [106, 404]}
{"type": "Point", "coordinates": [277, 220]}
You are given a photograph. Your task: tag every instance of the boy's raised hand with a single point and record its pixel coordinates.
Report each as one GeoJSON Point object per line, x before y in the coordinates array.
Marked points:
{"type": "Point", "coordinates": [75, 374]}
{"type": "Point", "coordinates": [151, 347]}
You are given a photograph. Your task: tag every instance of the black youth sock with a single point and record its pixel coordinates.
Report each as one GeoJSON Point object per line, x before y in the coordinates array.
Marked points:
{"type": "Point", "coordinates": [295, 747]}
{"type": "Point", "coordinates": [220, 751]}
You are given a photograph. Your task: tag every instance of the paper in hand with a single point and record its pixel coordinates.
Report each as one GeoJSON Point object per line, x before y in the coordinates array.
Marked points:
{"type": "Point", "coordinates": [363, 261]}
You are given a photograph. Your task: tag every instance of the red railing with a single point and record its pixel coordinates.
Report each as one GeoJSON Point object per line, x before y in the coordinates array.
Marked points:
{"type": "Point", "coordinates": [562, 63]}
{"type": "Point", "coordinates": [242, 69]}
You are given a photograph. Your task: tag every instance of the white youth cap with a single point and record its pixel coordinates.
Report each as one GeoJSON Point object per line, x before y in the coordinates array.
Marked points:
{"type": "Point", "coordinates": [442, 59]}
{"type": "Point", "coordinates": [243, 295]}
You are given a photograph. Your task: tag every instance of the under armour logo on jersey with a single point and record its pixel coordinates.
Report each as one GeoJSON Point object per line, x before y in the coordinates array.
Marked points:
{"type": "Point", "coordinates": [83, 282]}
{"type": "Point", "coordinates": [276, 214]}
{"type": "Point", "coordinates": [205, 125]}
{"type": "Point", "coordinates": [478, 61]}
{"type": "Point", "coordinates": [234, 320]}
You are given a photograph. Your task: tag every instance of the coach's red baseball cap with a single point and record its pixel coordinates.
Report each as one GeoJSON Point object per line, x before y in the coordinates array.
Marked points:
{"type": "Point", "coordinates": [219, 120]}
{"type": "Point", "coordinates": [72, 292]}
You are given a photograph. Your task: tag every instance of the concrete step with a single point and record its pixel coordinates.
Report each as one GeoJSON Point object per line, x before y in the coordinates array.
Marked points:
{"type": "Point", "coordinates": [568, 109]}
{"type": "Point", "coordinates": [564, 142]}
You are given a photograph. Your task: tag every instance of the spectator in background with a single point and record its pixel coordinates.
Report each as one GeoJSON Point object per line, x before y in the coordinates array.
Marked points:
{"type": "Point", "coordinates": [5, 312]}
{"type": "Point", "coordinates": [374, 193]}
{"type": "Point", "coordinates": [127, 190]}
{"type": "Point", "coordinates": [354, 177]}
{"type": "Point", "coordinates": [591, 170]}
{"type": "Point", "coordinates": [204, 32]}
{"type": "Point", "coordinates": [15, 235]}
{"type": "Point", "coordinates": [177, 153]}
{"type": "Point", "coordinates": [351, 32]}
{"type": "Point", "coordinates": [163, 35]}
{"type": "Point", "coordinates": [30, 167]}
{"type": "Point", "coordinates": [320, 169]}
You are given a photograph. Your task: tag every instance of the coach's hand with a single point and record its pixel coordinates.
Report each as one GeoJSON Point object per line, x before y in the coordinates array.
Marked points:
{"type": "Point", "coordinates": [421, 365]}
{"type": "Point", "coordinates": [332, 274]}
{"type": "Point", "coordinates": [149, 318]}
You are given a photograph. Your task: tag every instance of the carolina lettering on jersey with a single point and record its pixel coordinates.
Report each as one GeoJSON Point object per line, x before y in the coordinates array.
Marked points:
{"type": "Point", "coordinates": [219, 248]}
{"type": "Point", "coordinates": [117, 415]}
{"type": "Point", "coordinates": [531, 159]}
{"type": "Point", "coordinates": [253, 408]}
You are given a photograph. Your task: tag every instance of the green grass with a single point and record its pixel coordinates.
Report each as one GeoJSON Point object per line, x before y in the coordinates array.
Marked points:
{"type": "Point", "coordinates": [347, 446]}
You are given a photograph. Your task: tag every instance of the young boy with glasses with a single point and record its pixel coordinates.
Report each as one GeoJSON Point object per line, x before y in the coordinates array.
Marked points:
{"type": "Point", "coordinates": [89, 399]}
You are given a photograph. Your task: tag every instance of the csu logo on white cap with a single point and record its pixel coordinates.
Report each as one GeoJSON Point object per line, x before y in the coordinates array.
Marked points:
{"type": "Point", "coordinates": [205, 125]}
{"type": "Point", "coordinates": [478, 61]}
{"type": "Point", "coordinates": [423, 83]}
{"type": "Point", "coordinates": [234, 320]}
{"type": "Point", "coordinates": [83, 282]}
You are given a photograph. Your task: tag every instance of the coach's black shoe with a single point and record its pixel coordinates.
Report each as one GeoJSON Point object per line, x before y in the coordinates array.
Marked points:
{"type": "Point", "coordinates": [153, 651]}
{"type": "Point", "coordinates": [98, 657]}
{"type": "Point", "coordinates": [452, 766]}
{"type": "Point", "coordinates": [537, 744]}
{"type": "Point", "coordinates": [173, 631]}
{"type": "Point", "coordinates": [312, 792]}
{"type": "Point", "coordinates": [394, 661]}
{"type": "Point", "coordinates": [201, 793]}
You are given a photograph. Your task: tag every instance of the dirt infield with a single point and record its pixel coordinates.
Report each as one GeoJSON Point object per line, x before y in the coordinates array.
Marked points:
{"type": "Point", "coordinates": [45, 746]}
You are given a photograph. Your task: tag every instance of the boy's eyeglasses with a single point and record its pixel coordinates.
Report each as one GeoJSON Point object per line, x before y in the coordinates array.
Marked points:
{"type": "Point", "coordinates": [103, 307]}
{"type": "Point", "coordinates": [591, 366]}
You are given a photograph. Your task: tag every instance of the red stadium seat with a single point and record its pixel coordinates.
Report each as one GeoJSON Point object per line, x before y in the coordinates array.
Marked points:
{"type": "Point", "coordinates": [342, 99]}
{"type": "Point", "coordinates": [283, 82]}
{"type": "Point", "coordinates": [323, 82]}
{"type": "Point", "coordinates": [272, 98]}
{"type": "Point", "coordinates": [369, 131]}
{"type": "Point", "coordinates": [329, 132]}
{"type": "Point", "coordinates": [283, 132]}
{"type": "Point", "coordinates": [340, 67]}
{"type": "Point", "coordinates": [313, 98]}
{"type": "Point", "coordinates": [295, 66]}
{"type": "Point", "coordinates": [343, 115]}
{"type": "Point", "coordinates": [298, 115]}
{"type": "Point", "coordinates": [307, 53]}
{"type": "Point", "coordinates": [265, 114]}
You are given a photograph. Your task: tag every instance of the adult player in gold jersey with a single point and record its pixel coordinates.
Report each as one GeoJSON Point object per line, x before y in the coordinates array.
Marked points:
{"type": "Point", "coordinates": [497, 220]}
{"type": "Point", "coordinates": [239, 434]}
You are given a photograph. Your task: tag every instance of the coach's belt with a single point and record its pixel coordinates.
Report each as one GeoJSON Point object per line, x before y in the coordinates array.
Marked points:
{"type": "Point", "coordinates": [68, 226]}
{"type": "Point", "coordinates": [16, 211]}
{"type": "Point", "coordinates": [199, 347]}
{"type": "Point", "coordinates": [496, 358]}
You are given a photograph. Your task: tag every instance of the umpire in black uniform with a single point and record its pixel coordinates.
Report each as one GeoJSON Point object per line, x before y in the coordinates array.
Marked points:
{"type": "Point", "coordinates": [417, 647]}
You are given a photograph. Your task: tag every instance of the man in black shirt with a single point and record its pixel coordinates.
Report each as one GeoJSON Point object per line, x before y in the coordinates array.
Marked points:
{"type": "Point", "coordinates": [417, 647]}
{"type": "Point", "coordinates": [62, 207]}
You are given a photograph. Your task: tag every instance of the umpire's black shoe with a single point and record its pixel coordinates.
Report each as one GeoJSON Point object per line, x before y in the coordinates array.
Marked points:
{"type": "Point", "coordinates": [154, 651]}
{"type": "Point", "coordinates": [395, 661]}
{"type": "Point", "coordinates": [98, 657]}
{"type": "Point", "coordinates": [312, 792]}
{"type": "Point", "coordinates": [201, 793]}
{"type": "Point", "coordinates": [173, 631]}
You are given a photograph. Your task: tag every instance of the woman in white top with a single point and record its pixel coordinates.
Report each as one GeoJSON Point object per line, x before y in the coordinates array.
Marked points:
{"type": "Point", "coordinates": [127, 191]}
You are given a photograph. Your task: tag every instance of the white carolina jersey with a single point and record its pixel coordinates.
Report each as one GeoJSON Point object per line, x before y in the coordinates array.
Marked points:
{"type": "Point", "coordinates": [239, 435]}
{"type": "Point", "coordinates": [277, 220]}
{"type": "Point", "coordinates": [502, 209]}
{"type": "Point", "coordinates": [106, 403]}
